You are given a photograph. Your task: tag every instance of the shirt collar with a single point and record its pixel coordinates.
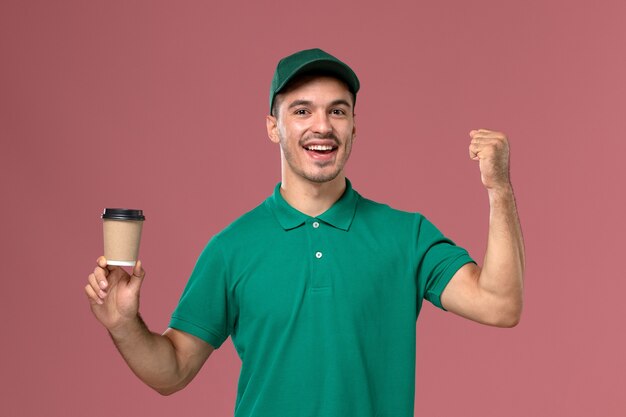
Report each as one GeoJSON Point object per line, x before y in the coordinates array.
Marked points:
{"type": "Point", "coordinates": [339, 215]}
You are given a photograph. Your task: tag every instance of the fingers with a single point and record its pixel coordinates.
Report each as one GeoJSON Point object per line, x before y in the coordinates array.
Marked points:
{"type": "Point", "coordinates": [486, 142]}
{"type": "Point", "coordinates": [94, 290]}
{"type": "Point", "coordinates": [474, 149]}
{"type": "Point", "coordinates": [482, 135]}
{"type": "Point", "coordinates": [101, 262]}
{"type": "Point", "coordinates": [108, 275]}
{"type": "Point", "coordinates": [101, 273]}
{"type": "Point", "coordinates": [98, 282]}
{"type": "Point", "coordinates": [105, 278]}
{"type": "Point", "coordinates": [477, 145]}
{"type": "Point", "coordinates": [485, 133]}
{"type": "Point", "coordinates": [137, 276]}
{"type": "Point", "coordinates": [92, 296]}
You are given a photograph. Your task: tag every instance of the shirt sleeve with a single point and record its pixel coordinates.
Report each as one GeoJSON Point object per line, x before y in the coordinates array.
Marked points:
{"type": "Point", "coordinates": [437, 259]}
{"type": "Point", "coordinates": [203, 307]}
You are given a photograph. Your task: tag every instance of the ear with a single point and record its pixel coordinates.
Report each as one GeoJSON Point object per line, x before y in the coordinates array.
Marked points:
{"type": "Point", "coordinates": [353, 127]}
{"type": "Point", "coordinates": [271, 124]}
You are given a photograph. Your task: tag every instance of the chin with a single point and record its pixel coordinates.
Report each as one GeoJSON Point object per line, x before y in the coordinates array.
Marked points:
{"type": "Point", "coordinates": [322, 178]}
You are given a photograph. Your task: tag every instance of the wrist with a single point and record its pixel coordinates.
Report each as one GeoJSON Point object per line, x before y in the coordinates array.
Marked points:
{"type": "Point", "coordinates": [501, 194]}
{"type": "Point", "coordinates": [126, 328]}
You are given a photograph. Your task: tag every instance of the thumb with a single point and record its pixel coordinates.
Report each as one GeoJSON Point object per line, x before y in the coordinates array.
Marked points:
{"type": "Point", "coordinates": [137, 275]}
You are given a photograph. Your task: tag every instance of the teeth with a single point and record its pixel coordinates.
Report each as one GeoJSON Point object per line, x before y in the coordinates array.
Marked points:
{"type": "Point", "coordinates": [319, 148]}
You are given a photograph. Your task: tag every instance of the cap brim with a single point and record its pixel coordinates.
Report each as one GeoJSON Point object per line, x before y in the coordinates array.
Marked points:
{"type": "Point", "coordinates": [341, 71]}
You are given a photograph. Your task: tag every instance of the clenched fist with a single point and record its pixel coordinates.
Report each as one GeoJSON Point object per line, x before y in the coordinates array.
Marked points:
{"type": "Point", "coordinates": [491, 150]}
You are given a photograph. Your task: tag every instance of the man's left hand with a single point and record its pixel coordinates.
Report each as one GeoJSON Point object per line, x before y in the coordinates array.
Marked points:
{"type": "Point", "coordinates": [491, 150]}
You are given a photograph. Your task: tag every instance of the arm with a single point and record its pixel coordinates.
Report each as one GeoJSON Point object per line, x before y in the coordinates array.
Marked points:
{"type": "Point", "coordinates": [492, 294]}
{"type": "Point", "coordinates": [167, 362]}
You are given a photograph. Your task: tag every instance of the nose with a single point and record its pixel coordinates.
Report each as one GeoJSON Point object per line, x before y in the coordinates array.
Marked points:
{"type": "Point", "coordinates": [321, 123]}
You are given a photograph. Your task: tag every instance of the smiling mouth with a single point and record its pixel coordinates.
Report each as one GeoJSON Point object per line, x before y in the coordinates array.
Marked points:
{"type": "Point", "coordinates": [320, 149]}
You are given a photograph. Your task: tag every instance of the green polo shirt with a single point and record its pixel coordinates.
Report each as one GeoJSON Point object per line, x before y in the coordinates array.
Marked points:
{"type": "Point", "coordinates": [321, 310]}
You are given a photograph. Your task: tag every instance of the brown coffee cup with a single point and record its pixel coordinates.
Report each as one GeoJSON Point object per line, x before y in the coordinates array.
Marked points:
{"type": "Point", "coordinates": [122, 234]}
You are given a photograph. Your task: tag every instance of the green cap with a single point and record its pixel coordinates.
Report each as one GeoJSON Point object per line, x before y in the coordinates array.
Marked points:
{"type": "Point", "coordinates": [311, 60]}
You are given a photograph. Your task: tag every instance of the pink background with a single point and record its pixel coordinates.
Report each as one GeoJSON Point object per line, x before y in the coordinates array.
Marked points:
{"type": "Point", "coordinates": [160, 105]}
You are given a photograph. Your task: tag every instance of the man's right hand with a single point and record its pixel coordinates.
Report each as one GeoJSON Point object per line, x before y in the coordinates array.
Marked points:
{"type": "Point", "coordinates": [165, 362]}
{"type": "Point", "coordinates": [114, 294]}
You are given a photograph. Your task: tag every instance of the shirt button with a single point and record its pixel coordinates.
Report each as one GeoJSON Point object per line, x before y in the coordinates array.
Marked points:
{"type": "Point", "coordinates": [316, 225]}
{"type": "Point", "coordinates": [318, 255]}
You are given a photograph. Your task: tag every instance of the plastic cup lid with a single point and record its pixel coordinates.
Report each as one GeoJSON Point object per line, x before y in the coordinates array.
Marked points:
{"type": "Point", "coordinates": [122, 214]}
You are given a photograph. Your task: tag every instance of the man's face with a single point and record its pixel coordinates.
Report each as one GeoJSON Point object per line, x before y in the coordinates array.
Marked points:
{"type": "Point", "coordinates": [314, 126]}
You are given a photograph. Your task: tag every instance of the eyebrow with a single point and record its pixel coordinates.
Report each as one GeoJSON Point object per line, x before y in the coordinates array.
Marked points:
{"type": "Point", "coordinates": [299, 103]}
{"type": "Point", "coordinates": [308, 103]}
{"type": "Point", "coordinates": [340, 102]}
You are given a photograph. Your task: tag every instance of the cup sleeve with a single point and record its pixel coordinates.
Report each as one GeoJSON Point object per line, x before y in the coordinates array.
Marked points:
{"type": "Point", "coordinates": [203, 306]}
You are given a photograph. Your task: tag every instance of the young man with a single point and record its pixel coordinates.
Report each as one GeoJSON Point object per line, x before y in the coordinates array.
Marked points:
{"type": "Point", "coordinates": [318, 287]}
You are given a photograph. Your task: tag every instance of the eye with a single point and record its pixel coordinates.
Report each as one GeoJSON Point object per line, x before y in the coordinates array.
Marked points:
{"type": "Point", "coordinates": [338, 112]}
{"type": "Point", "coordinates": [300, 112]}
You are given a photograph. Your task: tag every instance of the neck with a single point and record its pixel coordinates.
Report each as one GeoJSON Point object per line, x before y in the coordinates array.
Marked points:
{"type": "Point", "coordinates": [312, 198]}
